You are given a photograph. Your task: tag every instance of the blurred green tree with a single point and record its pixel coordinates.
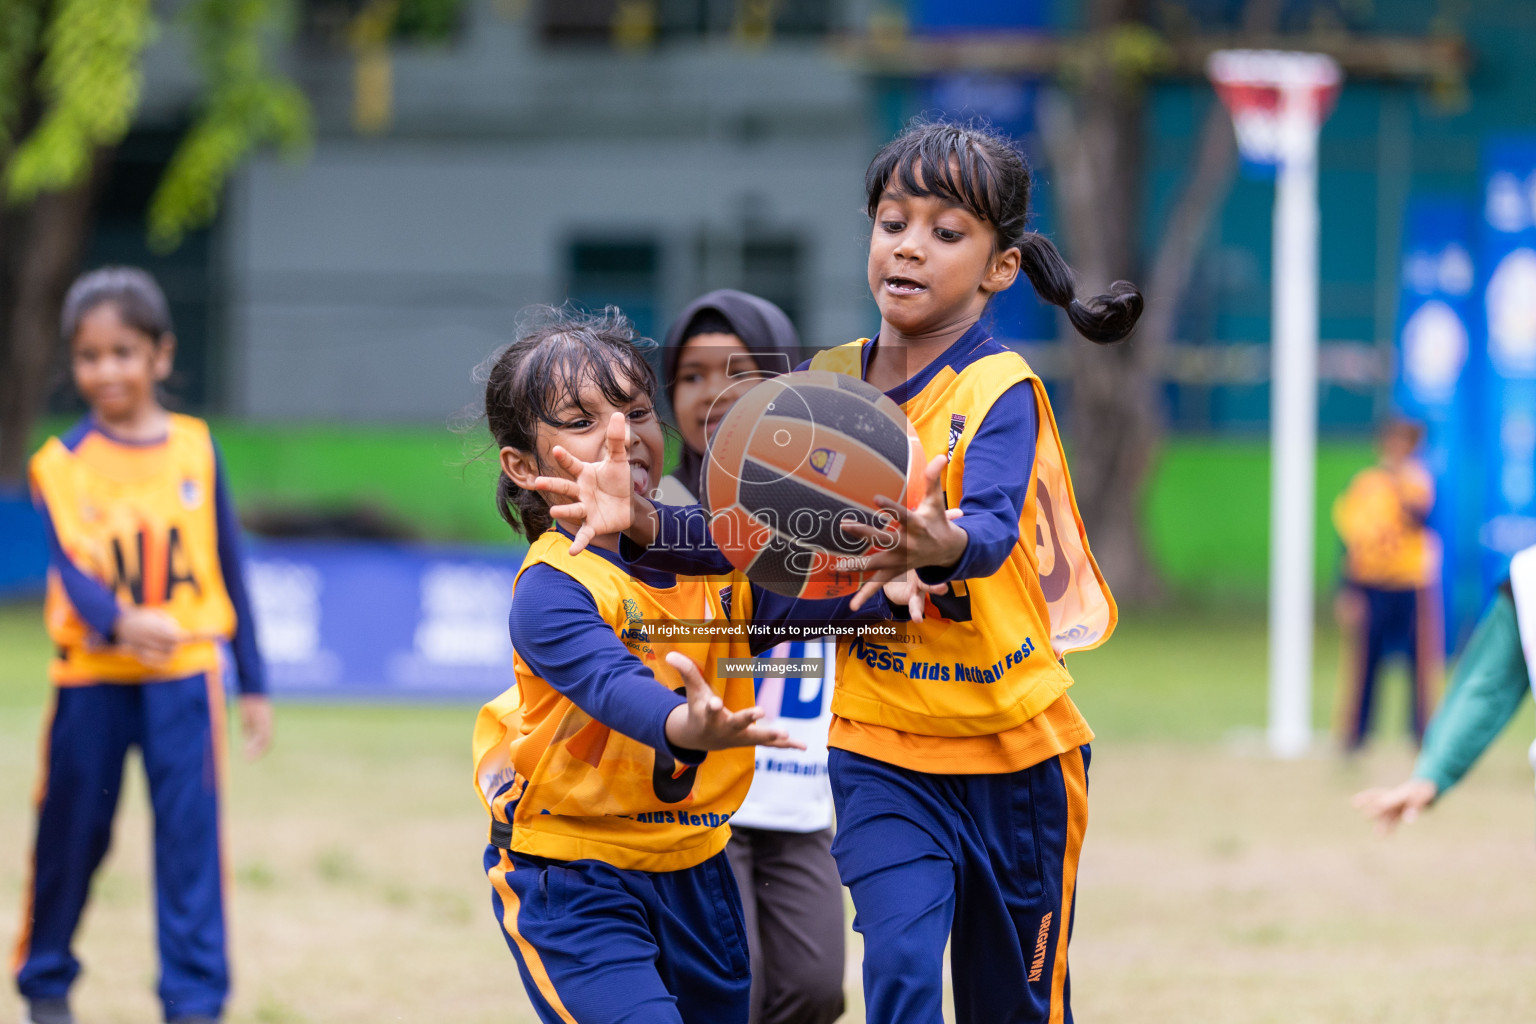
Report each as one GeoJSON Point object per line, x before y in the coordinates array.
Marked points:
{"type": "Point", "coordinates": [71, 73]}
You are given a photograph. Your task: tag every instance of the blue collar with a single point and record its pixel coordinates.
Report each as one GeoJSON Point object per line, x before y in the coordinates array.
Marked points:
{"type": "Point", "coordinates": [963, 351]}
{"type": "Point", "coordinates": [90, 424]}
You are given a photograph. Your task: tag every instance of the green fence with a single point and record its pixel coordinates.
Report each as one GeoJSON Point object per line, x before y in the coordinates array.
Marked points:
{"type": "Point", "coordinates": [1207, 513]}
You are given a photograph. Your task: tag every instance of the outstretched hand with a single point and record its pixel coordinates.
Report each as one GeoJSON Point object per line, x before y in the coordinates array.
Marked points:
{"type": "Point", "coordinates": [913, 538]}
{"type": "Point", "coordinates": [1399, 804]}
{"type": "Point", "coordinates": [703, 723]}
{"type": "Point", "coordinates": [602, 492]}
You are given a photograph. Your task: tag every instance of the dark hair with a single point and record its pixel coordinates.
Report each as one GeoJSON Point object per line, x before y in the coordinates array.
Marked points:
{"type": "Point", "coordinates": [140, 303]}
{"type": "Point", "coordinates": [986, 173]}
{"type": "Point", "coordinates": [557, 352]}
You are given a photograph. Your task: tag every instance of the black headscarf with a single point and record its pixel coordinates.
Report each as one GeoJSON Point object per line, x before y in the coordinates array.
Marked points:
{"type": "Point", "coordinates": [761, 326]}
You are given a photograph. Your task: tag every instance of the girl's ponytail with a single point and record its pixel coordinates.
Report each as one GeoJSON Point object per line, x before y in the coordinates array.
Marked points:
{"type": "Point", "coordinates": [1103, 319]}
{"type": "Point", "coordinates": [524, 510]}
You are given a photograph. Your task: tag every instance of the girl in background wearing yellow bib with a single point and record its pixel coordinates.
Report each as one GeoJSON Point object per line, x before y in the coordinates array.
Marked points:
{"type": "Point", "coordinates": [611, 768]}
{"type": "Point", "coordinates": [1389, 598]}
{"type": "Point", "coordinates": [144, 585]}
{"type": "Point", "coordinates": [958, 762]}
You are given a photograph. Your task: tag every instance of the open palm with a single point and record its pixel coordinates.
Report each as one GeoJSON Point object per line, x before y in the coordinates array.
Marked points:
{"type": "Point", "coordinates": [910, 538]}
{"type": "Point", "coordinates": [598, 493]}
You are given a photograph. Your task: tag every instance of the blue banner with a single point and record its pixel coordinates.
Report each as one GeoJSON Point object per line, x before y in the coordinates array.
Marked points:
{"type": "Point", "coordinates": [940, 16]}
{"type": "Point", "coordinates": [24, 552]}
{"type": "Point", "coordinates": [356, 619]}
{"type": "Point", "coordinates": [1507, 324]}
{"type": "Point", "coordinates": [1434, 383]}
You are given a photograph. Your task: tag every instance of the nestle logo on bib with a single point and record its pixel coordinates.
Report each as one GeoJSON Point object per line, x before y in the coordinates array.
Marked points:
{"type": "Point", "coordinates": [827, 462]}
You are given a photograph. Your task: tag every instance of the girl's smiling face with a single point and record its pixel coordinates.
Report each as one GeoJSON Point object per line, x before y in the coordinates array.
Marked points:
{"type": "Point", "coordinates": [933, 264]}
{"type": "Point", "coordinates": [116, 367]}
{"type": "Point", "coordinates": [707, 367]}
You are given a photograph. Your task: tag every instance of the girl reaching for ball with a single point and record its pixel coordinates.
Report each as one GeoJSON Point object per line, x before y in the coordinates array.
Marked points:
{"type": "Point", "coordinates": [612, 766]}
{"type": "Point", "coordinates": [961, 781]}
{"type": "Point", "coordinates": [958, 762]}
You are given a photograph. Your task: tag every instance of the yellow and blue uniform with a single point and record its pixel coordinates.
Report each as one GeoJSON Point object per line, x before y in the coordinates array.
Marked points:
{"type": "Point", "coordinates": [1392, 579]}
{"type": "Point", "coordinates": [958, 762]}
{"type": "Point", "coordinates": [152, 525]}
{"type": "Point", "coordinates": [606, 842]}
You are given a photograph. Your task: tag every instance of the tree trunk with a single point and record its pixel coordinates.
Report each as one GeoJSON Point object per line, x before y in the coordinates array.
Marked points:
{"type": "Point", "coordinates": [43, 243]}
{"type": "Point", "coordinates": [1116, 422]}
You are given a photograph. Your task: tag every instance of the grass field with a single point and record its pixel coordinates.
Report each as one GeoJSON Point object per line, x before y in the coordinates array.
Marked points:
{"type": "Point", "coordinates": [1216, 885]}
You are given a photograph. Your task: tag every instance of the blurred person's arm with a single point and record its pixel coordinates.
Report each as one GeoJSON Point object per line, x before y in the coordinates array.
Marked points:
{"type": "Point", "coordinates": [248, 664]}
{"type": "Point", "coordinates": [255, 705]}
{"type": "Point", "coordinates": [1487, 689]}
{"type": "Point", "coordinates": [1415, 491]}
{"type": "Point", "coordinates": [93, 602]}
{"type": "Point", "coordinates": [1339, 515]}
{"type": "Point", "coordinates": [147, 634]}
{"type": "Point", "coordinates": [1489, 685]}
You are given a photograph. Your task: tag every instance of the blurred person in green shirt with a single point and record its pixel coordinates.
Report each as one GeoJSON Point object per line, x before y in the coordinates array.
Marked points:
{"type": "Point", "coordinates": [1489, 686]}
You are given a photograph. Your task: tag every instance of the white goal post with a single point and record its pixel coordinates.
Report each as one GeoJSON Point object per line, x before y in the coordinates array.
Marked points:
{"type": "Point", "coordinates": [1279, 101]}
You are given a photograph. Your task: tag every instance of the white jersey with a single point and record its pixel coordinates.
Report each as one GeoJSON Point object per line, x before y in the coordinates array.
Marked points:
{"type": "Point", "coordinates": [790, 789]}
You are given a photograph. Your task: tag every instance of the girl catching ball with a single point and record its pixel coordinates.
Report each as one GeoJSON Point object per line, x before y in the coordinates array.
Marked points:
{"type": "Point", "coordinates": [961, 773]}
{"type": "Point", "coordinates": [611, 768]}
{"type": "Point", "coordinates": [959, 765]}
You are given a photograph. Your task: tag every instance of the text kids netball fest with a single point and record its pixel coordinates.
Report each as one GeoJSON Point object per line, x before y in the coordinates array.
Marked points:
{"type": "Point", "coordinates": [758, 512]}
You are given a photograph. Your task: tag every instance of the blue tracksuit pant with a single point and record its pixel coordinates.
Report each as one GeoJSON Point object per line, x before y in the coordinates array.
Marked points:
{"type": "Point", "coordinates": [986, 862]}
{"type": "Point", "coordinates": [177, 725]}
{"type": "Point", "coordinates": [1392, 622]}
{"type": "Point", "coordinates": [596, 944]}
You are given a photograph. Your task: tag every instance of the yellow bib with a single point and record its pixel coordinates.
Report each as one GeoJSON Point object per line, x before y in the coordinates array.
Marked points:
{"type": "Point", "coordinates": [1384, 543]}
{"type": "Point", "coordinates": [141, 520]}
{"type": "Point", "coordinates": [990, 660]}
{"type": "Point", "coordinates": [577, 789]}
